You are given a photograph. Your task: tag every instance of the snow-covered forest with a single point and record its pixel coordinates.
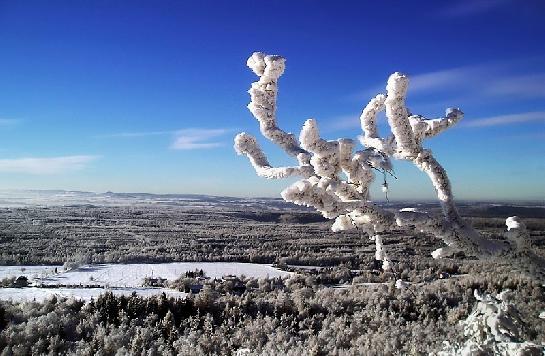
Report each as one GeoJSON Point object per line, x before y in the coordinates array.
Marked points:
{"type": "Point", "coordinates": [382, 278]}
{"type": "Point", "coordinates": [338, 301]}
{"type": "Point", "coordinates": [335, 181]}
{"type": "Point", "coordinates": [383, 196]}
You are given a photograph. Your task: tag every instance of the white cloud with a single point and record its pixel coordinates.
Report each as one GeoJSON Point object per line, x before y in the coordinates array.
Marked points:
{"type": "Point", "coordinates": [347, 122]}
{"type": "Point", "coordinates": [486, 81]}
{"type": "Point", "coordinates": [439, 79]}
{"type": "Point", "coordinates": [193, 139]}
{"type": "Point", "coordinates": [46, 165]}
{"type": "Point", "coordinates": [185, 139]}
{"type": "Point", "coordinates": [341, 122]}
{"type": "Point", "coordinates": [137, 134]}
{"type": "Point", "coordinates": [499, 81]}
{"type": "Point", "coordinates": [9, 122]}
{"type": "Point", "coordinates": [507, 119]}
{"type": "Point", "coordinates": [527, 86]}
{"type": "Point", "coordinates": [344, 122]}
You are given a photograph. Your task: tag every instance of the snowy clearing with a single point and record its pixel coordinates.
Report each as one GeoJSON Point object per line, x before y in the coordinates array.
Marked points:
{"type": "Point", "coordinates": [132, 275]}
{"type": "Point", "coordinates": [119, 278]}
{"type": "Point", "coordinates": [41, 294]}
{"type": "Point", "coordinates": [31, 272]}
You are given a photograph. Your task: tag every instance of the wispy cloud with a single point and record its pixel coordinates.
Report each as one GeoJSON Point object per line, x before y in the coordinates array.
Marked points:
{"type": "Point", "coordinates": [527, 86]}
{"type": "Point", "coordinates": [137, 134]}
{"type": "Point", "coordinates": [529, 136]}
{"type": "Point", "coordinates": [441, 80]}
{"type": "Point", "coordinates": [491, 81]}
{"type": "Point", "coordinates": [46, 165]}
{"type": "Point", "coordinates": [349, 122]}
{"type": "Point", "coordinates": [471, 84]}
{"type": "Point", "coordinates": [184, 139]}
{"type": "Point", "coordinates": [472, 7]}
{"type": "Point", "coordinates": [193, 139]}
{"type": "Point", "coordinates": [9, 122]}
{"type": "Point", "coordinates": [507, 119]}
{"type": "Point", "coordinates": [341, 122]}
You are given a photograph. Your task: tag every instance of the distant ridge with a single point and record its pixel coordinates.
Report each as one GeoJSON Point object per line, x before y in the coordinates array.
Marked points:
{"type": "Point", "coordinates": [129, 194]}
{"type": "Point", "coordinates": [76, 198]}
{"type": "Point", "coordinates": [69, 198]}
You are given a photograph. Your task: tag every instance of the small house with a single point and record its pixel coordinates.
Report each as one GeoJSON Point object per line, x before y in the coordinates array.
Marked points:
{"type": "Point", "coordinates": [239, 288]}
{"type": "Point", "coordinates": [195, 288]}
{"type": "Point", "coordinates": [155, 282]}
{"type": "Point", "coordinates": [21, 282]}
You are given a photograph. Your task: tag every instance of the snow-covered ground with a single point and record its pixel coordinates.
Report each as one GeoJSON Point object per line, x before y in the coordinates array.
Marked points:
{"type": "Point", "coordinates": [41, 294]}
{"type": "Point", "coordinates": [121, 278]}
{"type": "Point", "coordinates": [308, 268]}
{"type": "Point", "coordinates": [31, 272]}
{"type": "Point", "coordinates": [132, 275]}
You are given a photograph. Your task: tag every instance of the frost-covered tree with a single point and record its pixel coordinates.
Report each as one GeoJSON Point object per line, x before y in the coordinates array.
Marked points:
{"type": "Point", "coordinates": [494, 327]}
{"type": "Point", "coordinates": [336, 178]}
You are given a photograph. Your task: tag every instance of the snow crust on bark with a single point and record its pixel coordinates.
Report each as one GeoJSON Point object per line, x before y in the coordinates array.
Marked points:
{"type": "Point", "coordinates": [335, 177]}
{"type": "Point", "coordinates": [263, 100]}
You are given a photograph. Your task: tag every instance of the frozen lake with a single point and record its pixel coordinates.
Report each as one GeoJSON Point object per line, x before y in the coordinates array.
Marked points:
{"type": "Point", "coordinates": [120, 278]}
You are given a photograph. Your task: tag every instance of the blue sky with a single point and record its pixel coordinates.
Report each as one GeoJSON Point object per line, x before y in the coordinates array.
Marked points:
{"type": "Point", "coordinates": [147, 96]}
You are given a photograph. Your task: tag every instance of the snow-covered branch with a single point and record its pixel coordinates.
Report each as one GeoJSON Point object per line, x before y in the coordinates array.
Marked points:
{"type": "Point", "coordinates": [247, 145]}
{"type": "Point", "coordinates": [336, 180]}
{"type": "Point", "coordinates": [263, 104]}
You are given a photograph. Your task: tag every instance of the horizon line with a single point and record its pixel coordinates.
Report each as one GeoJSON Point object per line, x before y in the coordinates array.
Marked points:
{"type": "Point", "coordinates": [382, 201]}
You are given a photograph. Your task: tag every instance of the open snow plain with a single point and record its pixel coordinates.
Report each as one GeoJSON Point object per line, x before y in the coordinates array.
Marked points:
{"type": "Point", "coordinates": [86, 294]}
{"type": "Point", "coordinates": [121, 279]}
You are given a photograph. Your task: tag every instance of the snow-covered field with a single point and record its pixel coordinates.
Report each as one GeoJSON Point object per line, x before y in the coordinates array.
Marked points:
{"type": "Point", "coordinates": [120, 278]}
{"type": "Point", "coordinates": [31, 272]}
{"type": "Point", "coordinates": [41, 294]}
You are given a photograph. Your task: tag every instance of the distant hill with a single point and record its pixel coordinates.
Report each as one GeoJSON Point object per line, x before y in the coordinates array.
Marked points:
{"type": "Point", "coordinates": [21, 198]}
{"type": "Point", "coordinates": [507, 210]}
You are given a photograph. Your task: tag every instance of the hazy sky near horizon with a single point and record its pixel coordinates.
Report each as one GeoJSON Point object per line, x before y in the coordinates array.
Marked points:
{"type": "Point", "coordinates": [146, 96]}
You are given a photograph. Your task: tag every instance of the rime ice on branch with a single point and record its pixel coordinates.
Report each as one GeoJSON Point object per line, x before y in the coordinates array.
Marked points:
{"type": "Point", "coordinates": [335, 179]}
